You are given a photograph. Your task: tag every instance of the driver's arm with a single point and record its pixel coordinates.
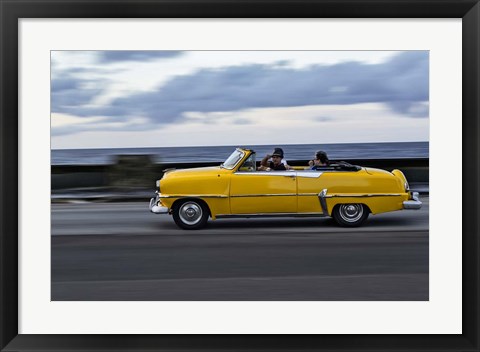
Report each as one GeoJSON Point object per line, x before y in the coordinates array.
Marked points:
{"type": "Point", "coordinates": [264, 163]}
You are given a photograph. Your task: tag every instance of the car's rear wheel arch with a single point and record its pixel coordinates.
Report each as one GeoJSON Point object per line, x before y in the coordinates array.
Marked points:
{"type": "Point", "coordinates": [367, 208]}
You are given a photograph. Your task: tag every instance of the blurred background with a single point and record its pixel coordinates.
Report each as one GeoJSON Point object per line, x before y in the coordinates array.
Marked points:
{"type": "Point", "coordinates": [119, 117]}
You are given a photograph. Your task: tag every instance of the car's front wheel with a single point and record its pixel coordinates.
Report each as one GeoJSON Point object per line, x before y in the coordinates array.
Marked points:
{"type": "Point", "coordinates": [190, 214]}
{"type": "Point", "coordinates": [350, 215]}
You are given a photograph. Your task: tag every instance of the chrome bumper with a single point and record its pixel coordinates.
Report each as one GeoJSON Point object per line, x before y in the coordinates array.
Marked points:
{"type": "Point", "coordinates": [413, 203]}
{"type": "Point", "coordinates": [156, 208]}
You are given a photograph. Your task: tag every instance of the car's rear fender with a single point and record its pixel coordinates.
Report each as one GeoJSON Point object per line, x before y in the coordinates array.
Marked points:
{"type": "Point", "coordinates": [399, 174]}
{"type": "Point", "coordinates": [376, 203]}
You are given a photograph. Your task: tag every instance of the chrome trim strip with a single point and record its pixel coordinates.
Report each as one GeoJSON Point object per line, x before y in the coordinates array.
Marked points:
{"type": "Point", "coordinates": [363, 195]}
{"type": "Point", "coordinates": [309, 173]}
{"type": "Point", "coordinates": [287, 173]}
{"type": "Point", "coordinates": [414, 197]}
{"type": "Point", "coordinates": [192, 195]}
{"type": "Point", "coordinates": [270, 215]}
{"type": "Point", "coordinates": [263, 195]}
{"type": "Point", "coordinates": [268, 173]}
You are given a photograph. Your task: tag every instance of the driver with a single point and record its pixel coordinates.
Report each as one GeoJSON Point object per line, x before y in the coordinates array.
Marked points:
{"type": "Point", "coordinates": [276, 162]}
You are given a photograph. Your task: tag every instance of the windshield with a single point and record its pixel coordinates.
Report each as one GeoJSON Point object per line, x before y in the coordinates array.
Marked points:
{"type": "Point", "coordinates": [248, 165]}
{"type": "Point", "coordinates": [233, 159]}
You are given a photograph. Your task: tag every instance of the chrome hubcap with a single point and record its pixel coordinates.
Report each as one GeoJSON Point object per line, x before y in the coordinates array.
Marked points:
{"type": "Point", "coordinates": [351, 212]}
{"type": "Point", "coordinates": [190, 213]}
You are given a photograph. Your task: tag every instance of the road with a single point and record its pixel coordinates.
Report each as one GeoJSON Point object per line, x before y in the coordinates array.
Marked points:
{"type": "Point", "coordinates": [121, 251]}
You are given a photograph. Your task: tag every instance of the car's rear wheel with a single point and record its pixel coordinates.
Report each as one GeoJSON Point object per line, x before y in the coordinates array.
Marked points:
{"type": "Point", "coordinates": [190, 214]}
{"type": "Point", "coordinates": [350, 215]}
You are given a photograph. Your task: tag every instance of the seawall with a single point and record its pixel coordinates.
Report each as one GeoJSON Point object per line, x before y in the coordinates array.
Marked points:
{"type": "Point", "coordinates": [137, 171]}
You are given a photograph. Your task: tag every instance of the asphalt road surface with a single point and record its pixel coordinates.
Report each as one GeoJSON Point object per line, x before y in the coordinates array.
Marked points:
{"type": "Point", "coordinates": [122, 252]}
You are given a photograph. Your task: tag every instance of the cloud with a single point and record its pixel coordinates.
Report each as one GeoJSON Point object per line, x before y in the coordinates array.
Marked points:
{"type": "Point", "coordinates": [401, 83]}
{"type": "Point", "coordinates": [69, 94]}
{"type": "Point", "coordinates": [322, 118]}
{"type": "Point", "coordinates": [241, 121]}
{"type": "Point", "coordinates": [64, 84]}
{"type": "Point", "coordinates": [63, 124]}
{"type": "Point", "coordinates": [135, 55]}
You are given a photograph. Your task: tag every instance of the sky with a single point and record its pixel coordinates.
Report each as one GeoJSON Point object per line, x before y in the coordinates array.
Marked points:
{"type": "Point", "coordinates": [127, 99]}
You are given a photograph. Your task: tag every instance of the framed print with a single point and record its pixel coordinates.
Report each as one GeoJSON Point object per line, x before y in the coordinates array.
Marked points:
{"type": "Point", "coordinates": [237, 176]}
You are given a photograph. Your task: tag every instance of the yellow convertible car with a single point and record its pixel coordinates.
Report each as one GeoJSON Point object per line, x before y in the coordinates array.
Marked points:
{"type": "Point", "coordinates": [348, 193]}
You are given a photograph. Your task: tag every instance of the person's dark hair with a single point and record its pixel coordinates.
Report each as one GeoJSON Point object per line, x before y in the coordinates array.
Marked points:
{"type": "Point", "coordinates": [322, 156]}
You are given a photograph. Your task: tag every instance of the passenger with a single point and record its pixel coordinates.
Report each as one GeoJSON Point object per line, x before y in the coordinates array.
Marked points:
{"type": "Point", "coordinates": [321, 159]}
{"type": "Point", "coordinates": [277, 163]}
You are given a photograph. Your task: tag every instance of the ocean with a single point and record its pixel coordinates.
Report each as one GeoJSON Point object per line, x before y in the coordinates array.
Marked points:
{"type": "Point", "coordinates": [220, 153]}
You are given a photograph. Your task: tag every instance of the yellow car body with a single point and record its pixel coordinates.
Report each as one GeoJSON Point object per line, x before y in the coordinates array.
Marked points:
{"type": "Point", "coordinates": [236, 189]}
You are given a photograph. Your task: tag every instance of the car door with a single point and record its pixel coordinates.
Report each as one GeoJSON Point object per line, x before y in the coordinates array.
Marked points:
{"type": "Point", "coordinates": [263, 192]}
{"type": "Point", "coordinates": [309, 186]}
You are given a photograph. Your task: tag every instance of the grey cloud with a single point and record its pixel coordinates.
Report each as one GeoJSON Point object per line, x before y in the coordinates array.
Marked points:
{"type": "Point", "coordinates": [401, 83]}
{"type": "Point", "coordinates": [63, 84]}
{"type": "Point", "coordinates": [63, 131]}
{"type": "Point", "coordinates": [135, 55]}
{"type": "Point", "coordinates": [69, 94]}
{"type": "Point", "coordinates": [323, 119]}
{"type": "Point", "coordinates": [104, 125]}
{"type": "Point", "coordinates": [410, 109]}
{"type": "Point", "coordinates": [241, 121]}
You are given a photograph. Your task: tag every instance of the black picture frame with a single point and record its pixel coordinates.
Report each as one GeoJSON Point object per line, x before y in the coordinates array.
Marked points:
{"type": "Point", "coordinates": [12, 11]}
